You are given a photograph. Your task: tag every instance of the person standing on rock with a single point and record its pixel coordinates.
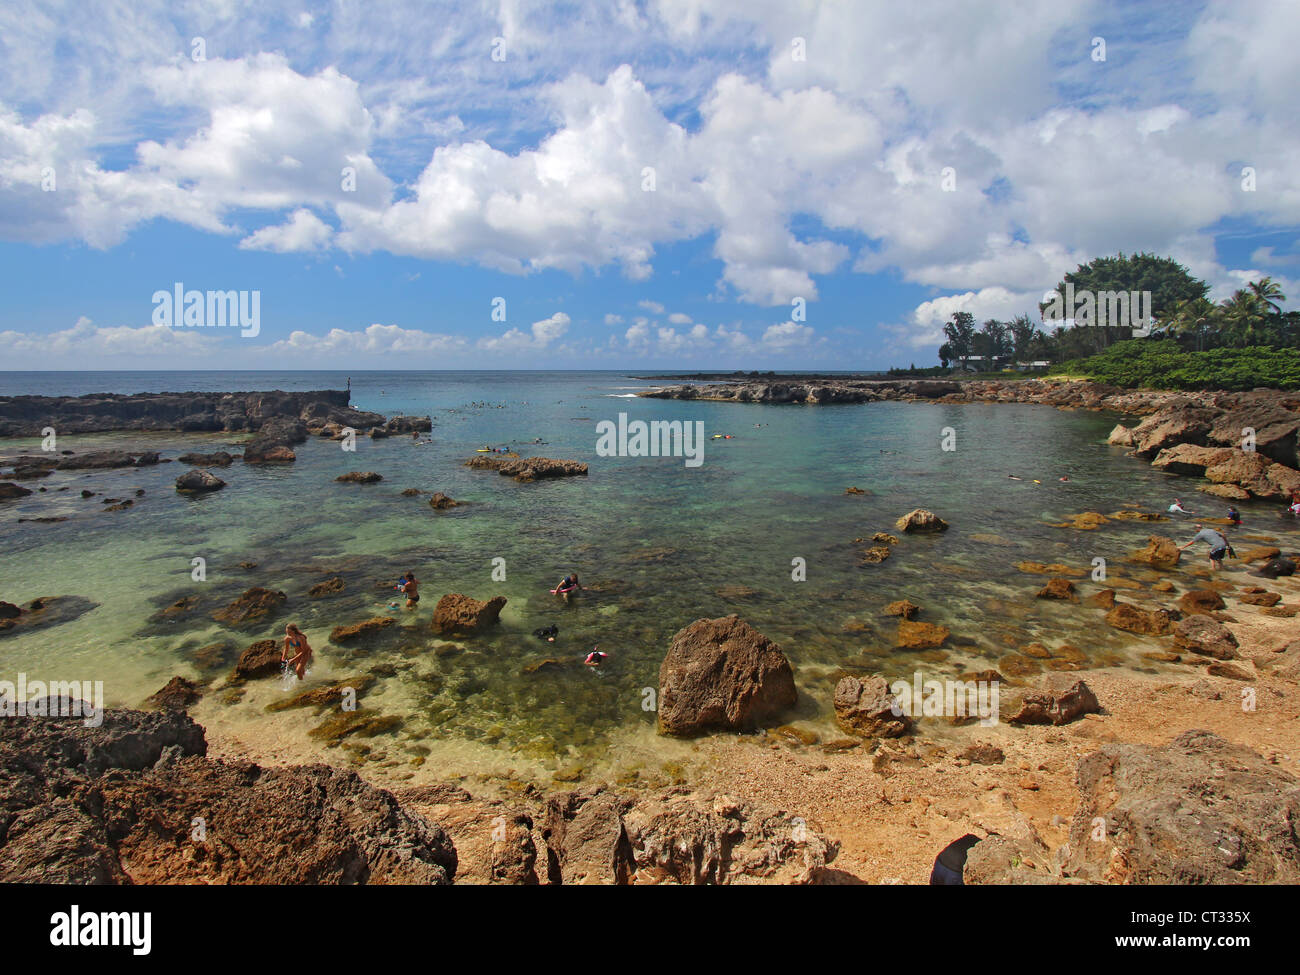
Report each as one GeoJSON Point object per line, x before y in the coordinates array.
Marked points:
{"type": "Point", "coordinates": [1218, 545]}
{"type": "Point", "coordinates": [295, 640]}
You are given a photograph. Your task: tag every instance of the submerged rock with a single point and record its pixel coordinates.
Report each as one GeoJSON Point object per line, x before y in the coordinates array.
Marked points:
{"type": "Point", "coordinates": [360, 477]}
{"type": "Point", "coordinates": [330, 587]}
{"type": "Point", "coordinates": [722, 674]}
{"type": "Point", "coordinates": [904, 608]}
{"type": "Point", "coordinates": [9, 491]}
{"type": "Point", "coordinates": [43, 612]}
{"type": "Point", "coordinates": [219, 458]}
{"type": "Point", "coordinates": [253, 608]}
{"type": "Point", "coordinates": [1145, 622]}
{"type": "Point", "coordinates": [365, 630]}
{"type": "Point", "coordinates": [913, 635]}
{"type": "Point", "coordinates": [363, 723]}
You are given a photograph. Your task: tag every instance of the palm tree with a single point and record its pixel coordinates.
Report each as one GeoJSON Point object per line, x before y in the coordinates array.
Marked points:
{"type": "Point", "coordinates": [1267, 291]}
{"type": "Point", "coordinates": [1195, 317]}
{"type": "Point", "coordinates": [1246, 318]}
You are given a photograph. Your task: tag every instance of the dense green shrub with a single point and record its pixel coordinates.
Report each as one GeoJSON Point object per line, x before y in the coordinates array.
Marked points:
{"type": "Point", "coordinates": [1162, 364]}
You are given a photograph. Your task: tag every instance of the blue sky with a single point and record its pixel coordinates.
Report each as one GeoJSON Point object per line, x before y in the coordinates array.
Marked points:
{"type": "Point", "coordinates": [669, 183]}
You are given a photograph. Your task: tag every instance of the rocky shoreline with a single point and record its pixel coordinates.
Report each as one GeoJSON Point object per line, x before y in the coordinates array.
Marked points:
{"type": "Point", "coordinates": [1245, 444]}
{"type": "Point", "coordinates": [276, 422]}
{"type": "Point", "coordinates": [119, 803]}
{"type": "Point", "coordinates": [196, 412]}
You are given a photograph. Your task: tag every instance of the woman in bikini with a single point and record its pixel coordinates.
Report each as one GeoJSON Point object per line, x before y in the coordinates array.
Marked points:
{"type": "Point", "coordinates": [295, 640]}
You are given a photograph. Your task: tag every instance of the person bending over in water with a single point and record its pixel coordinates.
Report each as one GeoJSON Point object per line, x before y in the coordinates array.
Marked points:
{"type": "Point", "coordinates": [301, 651]}
{"type": "Point", "coordinates": [411, 588]}
{"type": "Point", "coordinates": [1177, 508]}
{"type": "Point", "coordinates": [1218, 545]}
{"type": "Point", "coordinates": [568, 585]}
{"type": "Point", "coordinates": [595, 658]}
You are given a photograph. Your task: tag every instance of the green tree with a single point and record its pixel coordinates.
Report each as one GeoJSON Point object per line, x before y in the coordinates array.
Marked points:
{"type": "Point", "coordinates": [994, 344]}
{"type": "Point", "coordinates": [1020, 333]}
{"type": "Point", "coordinates": [1168, 281]}
{"type": "Point", "coordinates": [960, 331]}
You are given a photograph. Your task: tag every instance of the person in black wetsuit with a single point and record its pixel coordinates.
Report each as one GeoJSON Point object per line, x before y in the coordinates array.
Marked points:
{"type": "Point", "coordinates": [951, 861]}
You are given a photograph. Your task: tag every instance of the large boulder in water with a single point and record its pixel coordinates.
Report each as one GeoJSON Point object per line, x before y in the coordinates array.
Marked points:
{"type": "Point", "coordinates": [198, 481]}
{"type": "Point", "coordinates": [260, 659]}
{"type": "Point", "coordinates": [458, 615]}
{"type": "Point", "coordinates": [722, 674]}
{"type": "Point", "coordinates": [1160, 553]}
{"type": "Point", "coordinates": [1197, 811]}
{"type": "Point", "coordinates": [921, 520]}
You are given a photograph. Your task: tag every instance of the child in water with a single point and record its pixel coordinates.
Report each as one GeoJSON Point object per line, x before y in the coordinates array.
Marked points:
{"type": "Point", "coordinates": [595, 658]}
{"type": "Point", "coordinates": [568, 586]}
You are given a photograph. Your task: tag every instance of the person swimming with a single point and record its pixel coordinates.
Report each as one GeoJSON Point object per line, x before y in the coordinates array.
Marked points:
{"type": "Point", "coordinates": [549, 633]}
{"type": "Point", "coordinates": [295, 640]}
{"type": "Point", "coordinates": [596, 657]}
{"type": "Point", "coordinates": [1177, 508]}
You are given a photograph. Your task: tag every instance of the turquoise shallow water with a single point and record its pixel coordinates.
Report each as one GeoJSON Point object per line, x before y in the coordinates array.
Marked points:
{"type": "Point", "coordinates": [661, 543]}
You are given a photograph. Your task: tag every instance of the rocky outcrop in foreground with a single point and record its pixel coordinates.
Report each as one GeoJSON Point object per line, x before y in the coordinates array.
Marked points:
{"type": "Point", "coordinates": [598, 837]}
{"type": "Point", "coordinates": [722, 674]}
{"type": "Point", "coordinates": [136, 800]}
{"type": "Point", "coordinates": [1199, 810]}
